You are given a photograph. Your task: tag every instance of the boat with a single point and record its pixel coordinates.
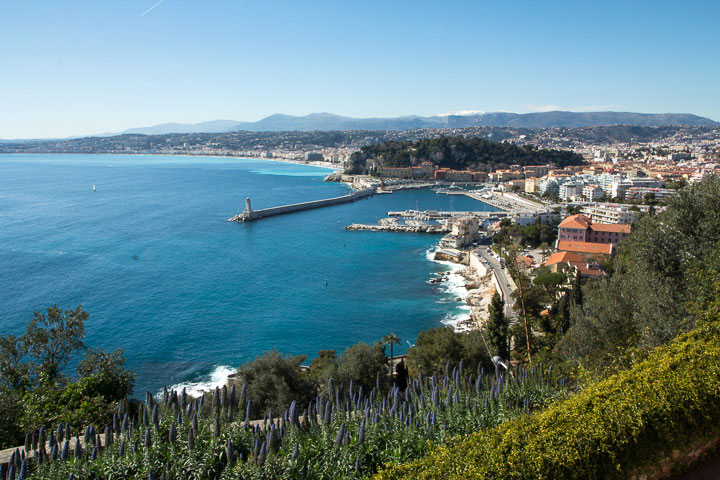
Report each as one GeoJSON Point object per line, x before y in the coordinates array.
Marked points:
{"type": "Point", "coordinates": [93, 187]}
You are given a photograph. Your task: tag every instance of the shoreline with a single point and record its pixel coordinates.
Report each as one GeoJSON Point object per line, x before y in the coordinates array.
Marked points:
{"type": "Point", "coordinates": [466, 286]}
{"type": "Point", "coordinates": [328, 165]}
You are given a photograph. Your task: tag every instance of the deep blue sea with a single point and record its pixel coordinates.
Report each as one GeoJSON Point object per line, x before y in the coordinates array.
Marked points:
{"type": "Point", "coordinates": [188, 294]}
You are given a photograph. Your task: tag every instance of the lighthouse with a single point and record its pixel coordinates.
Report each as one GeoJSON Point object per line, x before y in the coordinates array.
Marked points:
{"type": "Point", "coordinates": [248, 208]}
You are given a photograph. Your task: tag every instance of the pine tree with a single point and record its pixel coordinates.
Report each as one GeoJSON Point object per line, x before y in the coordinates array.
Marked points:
{"type": "Point", "coordinates": [497, 328]}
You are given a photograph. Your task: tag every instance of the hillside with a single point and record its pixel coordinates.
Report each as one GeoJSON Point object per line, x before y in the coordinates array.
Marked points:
{"type": "Point", "coordinates": [458, 153]}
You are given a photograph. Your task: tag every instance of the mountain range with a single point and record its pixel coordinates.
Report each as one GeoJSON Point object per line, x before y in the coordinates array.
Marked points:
{"type": "Point", "coordinates": [329, 121]}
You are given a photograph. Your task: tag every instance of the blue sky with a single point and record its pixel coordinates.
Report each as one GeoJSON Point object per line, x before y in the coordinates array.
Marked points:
{"type": "Point", "coordinates": [81, 67]}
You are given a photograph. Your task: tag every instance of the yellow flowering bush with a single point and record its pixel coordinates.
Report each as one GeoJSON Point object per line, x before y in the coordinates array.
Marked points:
{"type": "Point", "coordinates": [614, 428]}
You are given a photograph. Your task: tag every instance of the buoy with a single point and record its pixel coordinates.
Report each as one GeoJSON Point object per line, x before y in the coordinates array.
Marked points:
{"type": "Point", "coordinates": [326, 283]}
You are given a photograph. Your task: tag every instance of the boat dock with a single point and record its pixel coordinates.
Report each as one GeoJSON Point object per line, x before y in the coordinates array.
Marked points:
{"type": "Point", "coordinates": [435, 215]}
{"type": "Point", "coordinates": [249, 214]}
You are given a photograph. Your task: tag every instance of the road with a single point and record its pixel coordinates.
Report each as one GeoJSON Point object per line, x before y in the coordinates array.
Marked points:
{"type": "Point", "coordinates": [505, 285]}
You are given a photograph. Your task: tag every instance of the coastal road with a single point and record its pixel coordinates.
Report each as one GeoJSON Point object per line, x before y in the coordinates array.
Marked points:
{"type": "Point", "coordinates": [505, 285]}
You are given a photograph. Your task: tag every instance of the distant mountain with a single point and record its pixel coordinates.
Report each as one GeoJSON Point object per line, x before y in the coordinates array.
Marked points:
{"type": "Point", "coordinates": [557, 119]}
{"type": "Point", "coordinates": [212, 126]}
{"type": "Point", "coordinates": [328, 121]}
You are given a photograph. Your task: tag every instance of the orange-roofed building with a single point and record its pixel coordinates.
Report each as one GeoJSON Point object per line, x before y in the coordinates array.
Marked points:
{"type": "Point", "coordinates": [579, 228]}
{"type": "Point", "coordinates": [575, 261]}
{"type": "Point", "coordinates": [586, 249]}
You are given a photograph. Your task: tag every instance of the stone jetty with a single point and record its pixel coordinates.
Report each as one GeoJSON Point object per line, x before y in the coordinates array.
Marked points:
{"type": "Point", "coordinates": [249, 214]}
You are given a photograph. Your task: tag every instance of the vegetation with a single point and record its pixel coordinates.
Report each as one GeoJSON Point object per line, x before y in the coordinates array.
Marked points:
{"type": "Point", "coordinates": [436, 347]}
{"type": "Point", "coordinates": [497, 328]}
{"type": "Point", "coordinates": [459, 153]}
{"type": "Point", "coordinates": [532, 236]}
{"type": "Point", "coordinates": [34, 391]}
{"type": "Point", "coordinates": [347, 432]}
{"type": "Point", "coordinates": [625, 424]}
{"type": "Point", "coordinates": [666, 272]}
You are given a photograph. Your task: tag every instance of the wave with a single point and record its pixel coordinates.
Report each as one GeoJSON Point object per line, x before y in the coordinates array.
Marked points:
{"type": "Point", "coordinates": [216, 378]}
{"type": "Point", "coordinates": [453, 288]}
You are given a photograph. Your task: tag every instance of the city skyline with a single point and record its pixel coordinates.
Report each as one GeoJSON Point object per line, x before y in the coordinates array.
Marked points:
{"type": "Point", "coordinates": [77, 69]}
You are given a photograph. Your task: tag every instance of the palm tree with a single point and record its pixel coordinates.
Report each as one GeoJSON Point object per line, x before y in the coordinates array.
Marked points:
{"type": "Point", "coordinates": [391, 339]}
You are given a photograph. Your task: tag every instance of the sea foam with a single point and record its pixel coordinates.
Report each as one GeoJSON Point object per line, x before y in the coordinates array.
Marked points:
{"type": "Point", "coordinates": [216, 378]}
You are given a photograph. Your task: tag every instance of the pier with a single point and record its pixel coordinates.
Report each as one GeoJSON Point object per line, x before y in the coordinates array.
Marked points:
{"type": "Point", "coordinates": [249, 214]}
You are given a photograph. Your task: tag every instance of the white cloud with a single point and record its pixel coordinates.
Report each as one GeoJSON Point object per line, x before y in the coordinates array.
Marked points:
{"type": "Point", "coordinates": [552, 108]}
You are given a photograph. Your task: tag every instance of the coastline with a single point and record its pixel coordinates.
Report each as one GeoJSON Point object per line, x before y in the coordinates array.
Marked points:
{"type": "Point", "coordinates": [328, 165]}
{"type": "Point", "coordinates": [463, 284]}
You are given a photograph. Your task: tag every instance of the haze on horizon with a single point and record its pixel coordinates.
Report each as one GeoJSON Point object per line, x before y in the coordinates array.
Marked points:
{"type": "Point", "coordinates": [77, 68]}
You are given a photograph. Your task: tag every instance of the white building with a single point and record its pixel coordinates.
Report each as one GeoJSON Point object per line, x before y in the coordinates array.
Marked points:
{"type": "Point", "coordinates": [592, 193]}
{"type": "Point", "coordinates": [610, 214]}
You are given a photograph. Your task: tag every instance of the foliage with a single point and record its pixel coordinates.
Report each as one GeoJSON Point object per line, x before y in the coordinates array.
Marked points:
{"type": "Point", "coordinates": [437, 347]}
{"type": "Point", "coordinates": [496, 328]}
{"type": "Point", "coordinates": [274, 381]}
{"type": "Point", "coordinates": [50, 340]}
{"type": "Point", "coordinates": [610, 429]}
{"type": "Point", "coordinates": [365, 365]}
{"type": "Point", "coordinates": [345, 434]}
{"type": "Point", "coordinates": [460, 153]}
{"type": "Point", "coordinates": [665, 272]}
{"type": "Point", "coordinates": [530, 235]}
{"type": "Point", "coordinates": [34, 388]}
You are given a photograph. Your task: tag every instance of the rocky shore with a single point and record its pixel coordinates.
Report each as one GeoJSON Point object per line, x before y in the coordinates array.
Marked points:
{"type": "Point", "coordinates": [480, 290]}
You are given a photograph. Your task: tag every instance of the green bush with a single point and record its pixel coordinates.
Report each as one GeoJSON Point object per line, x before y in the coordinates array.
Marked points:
{"type": "Point", "coordinates": [626, 423]}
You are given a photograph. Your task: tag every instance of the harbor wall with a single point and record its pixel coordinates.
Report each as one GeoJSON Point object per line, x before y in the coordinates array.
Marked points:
{"type": "Point", "coordinates": [299, 207]}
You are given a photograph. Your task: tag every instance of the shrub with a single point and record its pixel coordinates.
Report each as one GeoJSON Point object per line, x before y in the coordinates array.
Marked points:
{"type": "Point", "coordinates": [612, 428]}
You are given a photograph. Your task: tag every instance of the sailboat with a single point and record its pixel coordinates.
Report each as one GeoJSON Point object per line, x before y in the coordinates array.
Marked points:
{"type": "Point", "coordinates": [93, 188]}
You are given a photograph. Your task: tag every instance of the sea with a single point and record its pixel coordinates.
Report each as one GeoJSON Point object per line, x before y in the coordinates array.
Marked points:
{"type": "Point", "coordinates": [189, 296]}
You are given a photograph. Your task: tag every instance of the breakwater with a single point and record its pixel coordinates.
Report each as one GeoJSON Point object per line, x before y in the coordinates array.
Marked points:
{"type": "Point", "coordinates": [249, 214]}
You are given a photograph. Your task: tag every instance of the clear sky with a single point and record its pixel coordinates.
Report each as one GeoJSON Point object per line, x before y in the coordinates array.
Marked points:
{"type": "Point", "coordinates": [81, 67]}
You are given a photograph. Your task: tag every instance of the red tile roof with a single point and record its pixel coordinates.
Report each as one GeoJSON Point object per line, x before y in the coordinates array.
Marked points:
{"type": "Point", "coordinates": [563, 257]}
{"type": "Point", "coordinates": [585, 247]}
{"type": "Point", "coordinates": [610, 227]}
{"type": "Point", "coordinates": [576, 221]}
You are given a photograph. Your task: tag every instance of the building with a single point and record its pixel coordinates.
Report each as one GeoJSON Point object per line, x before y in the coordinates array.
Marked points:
{"type": "Point", "coordinates": [638, 193]}
{"type": "Point", "coordinates": [531, 185]}
{"type": "Point", "coordinates": [592, 193]}
{"type": "Point", "coordinates": [587, 250]}
{"type": "Point", "coordinates": [579, 228]}
{"type": "Point", "coordinates": [464, 231]}
{"type": "Point", "coordinates": [548, 187]}
{"type": "Point", "coordinates": [610, 214]}
{"type": "Point", "coordinates": [570, 191]}
{"type": "Point", "coordinates": [576, 262]}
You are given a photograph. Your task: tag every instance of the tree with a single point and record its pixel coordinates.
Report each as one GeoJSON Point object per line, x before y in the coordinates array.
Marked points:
{"type": "Point", "coordinates": [50, 340]}
{"type": "Point", "coordinates": [544, 251]}
{"type": "Point", "coordinates": [391, 339]}
{"type": "Point", "coordinates": [433, 349]}
{"type": "Point", "coordinates": [511, 257]}
{"type": "Point", "coordinates": [497, 327]}
{"type": "Point", "coordinates": [35, 387]}
{"type": "Point", "coordinates": [551, 283]}
{"type": "Point", "coordinates": [274, 381]}
{"type": "Point", "coordinates": [436, 347]}
{"type": "Point", "coordinates": [363, 363]}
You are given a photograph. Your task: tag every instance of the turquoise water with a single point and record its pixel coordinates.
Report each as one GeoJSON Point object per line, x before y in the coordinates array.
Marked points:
{"type": "Point", "coordinates": [187, 294]}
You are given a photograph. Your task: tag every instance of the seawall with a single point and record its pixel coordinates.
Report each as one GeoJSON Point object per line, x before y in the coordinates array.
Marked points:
{"type": "Point", "coordinates": [250, 215]}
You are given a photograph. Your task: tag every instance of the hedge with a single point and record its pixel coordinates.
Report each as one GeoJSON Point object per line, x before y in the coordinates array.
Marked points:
{"type": "Point", "coordinates": [615, 428]}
